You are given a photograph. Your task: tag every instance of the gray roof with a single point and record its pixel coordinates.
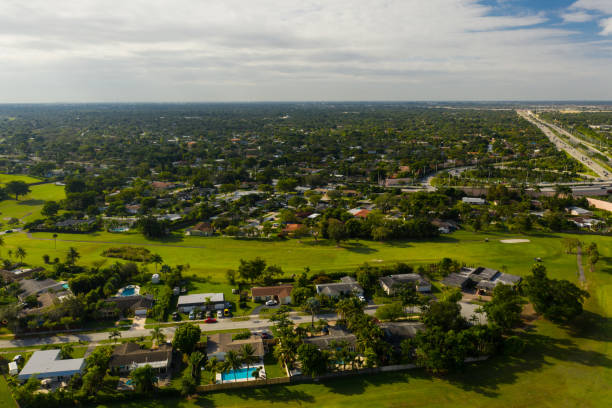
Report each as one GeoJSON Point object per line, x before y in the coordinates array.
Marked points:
{"type": "Point", "coordinates": [335, 335]}
{"type": "Point", "coordinates": [456, 280]}
{"type": "Point", "coordinates": [395, 332]}
{"type": "Point", "coordinates": [200, 298]}
{"type": "Point", "coordinates": [46, 363]}
{"type": "Point", "coordinates": [34, 287]}
{"type": "Point", "coordinates": [482, 273]}
{"type": "Point", "coordinates": [337, 289]}
{"type": "Point", "coordinates": [508, 279]}
{"type": "Point", "coordinates": [404, 279]}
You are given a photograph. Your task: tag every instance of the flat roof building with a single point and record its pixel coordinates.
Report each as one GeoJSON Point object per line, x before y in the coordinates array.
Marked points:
{"type": "Point", "coordinates": [46, 364]}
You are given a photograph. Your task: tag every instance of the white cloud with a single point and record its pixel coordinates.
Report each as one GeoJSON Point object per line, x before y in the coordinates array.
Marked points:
{"type": "Point", "coordinates": [603, 6]}
{"type": "Point", "coordinates": [606, 25]}
{"type": "Point", "coordinates": [577, 17]}
{"type": "Point", "coordinates": [286, 50]}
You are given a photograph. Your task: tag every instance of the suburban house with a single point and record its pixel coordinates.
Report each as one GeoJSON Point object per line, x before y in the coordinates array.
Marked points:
{"type": "Point", "coordinates": [46, 364]}
{"type": "Point", "coordinates": [137, 305]}
{"type": "Point", "coordinates": [390, 283]}
{"type": "Point", "coordinates": [30, 287]}
{"type": "Point", "coordinates": [579, 211]}
{"type": "Point", "coordinates": [396, 332]}
{"type": "Point", "coordinates": [335, 335]}
{"type": "Point", "coordinates": [201, 229]}
{"type": "Point", "coordinates": [128, 356]}
{"type": "Point", "coordinates": [474, 200]}
{"type": "Point", "coordinates": [347, 287]}
{"type": "Point", "coordinates": [484, 279]}
{"type": "Point", "coordinates": [45, 300]}
{"type": "Point", "coordinates": [18, 274]}
{"type": "Point", "coordinates": [220, 343]}
{"type": "Point", "coordinates": [202, 301]}
{"type": "Point", "coordinates": [280, 293]}
{"type": "Point", "coordinates": [291, 229]}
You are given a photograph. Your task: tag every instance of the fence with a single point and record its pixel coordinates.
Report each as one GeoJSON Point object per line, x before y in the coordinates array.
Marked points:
{"type": "Point", "coordinates": [243, 384]}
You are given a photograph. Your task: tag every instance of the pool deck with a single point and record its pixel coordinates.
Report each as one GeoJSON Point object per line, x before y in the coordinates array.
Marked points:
{"type": "Point", "coordinates": [262, 374]}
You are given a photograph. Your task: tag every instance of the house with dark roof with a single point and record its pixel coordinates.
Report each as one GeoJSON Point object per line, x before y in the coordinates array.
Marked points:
{"type": "Point", "coordinates": [334, 335]}
{"type": "Point", "coordinates": [30, 287]}
{"type": "Point", "coordinates": [396, 332]}
{"type": "Point", "coordinates": [280, 293]}
{"type": "Point", "coordinates": [129, 356]}
{"type": "Point", "coordinates": [335, 290]}
{"type": "Point", "coordinates": [483, 279]}
{"type": "Point", "coordinates": [390, 283]}
{"type": "Point", "coordinates": [127, 305]}
{"type": "Point", "coordinates": [201, 229]}
{"type": "Point", "coordinates": [219, 344]}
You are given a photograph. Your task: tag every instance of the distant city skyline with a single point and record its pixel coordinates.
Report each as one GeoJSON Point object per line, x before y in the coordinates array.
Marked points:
{"type": "Point", "coordinates": [309, 50]}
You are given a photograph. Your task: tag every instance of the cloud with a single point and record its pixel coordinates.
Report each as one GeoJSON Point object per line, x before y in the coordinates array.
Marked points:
{"type": "Point", "coordinates": [602, 6]}
{"type": "Point", "coordinates": [194, 50]}
{"type": "Point", "coordinates": [577, 17]}
{"type": "Point", "coordinates": [606, 24]}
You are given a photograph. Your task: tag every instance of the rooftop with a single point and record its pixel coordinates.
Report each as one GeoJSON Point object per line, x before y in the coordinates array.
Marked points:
{"type": "Point", "coordinates": [280, 290]}
{"type": "Point", "coordinates": [46, 363]}
{"type": "Point", "coordinates": [200, 298]}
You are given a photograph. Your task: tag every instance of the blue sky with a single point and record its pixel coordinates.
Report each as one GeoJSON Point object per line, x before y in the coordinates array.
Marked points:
{"type": "Point", "coordinates": [275, 50]}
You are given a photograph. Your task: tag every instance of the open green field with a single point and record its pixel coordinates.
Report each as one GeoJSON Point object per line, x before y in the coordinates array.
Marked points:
{"type": "Point", "coordinates": [29, 206]}
{"type": "Point", "coordinates": [6, 178]}
{"type": "Point", "coordinates": [6, 400]}
{"type": "Point", "coordinates": [211, 257]}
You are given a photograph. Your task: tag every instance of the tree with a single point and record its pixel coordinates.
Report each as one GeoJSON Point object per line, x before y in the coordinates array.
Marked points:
{"type": "Point", "coordinates": [312, 305]}
{"type": "Point", "coordinates": [251, 270]}
{"type": "Point", "coordinates": [17, 188]}
{"type": "Point", "coordinates": [157, 260]}
{"type": "Point", "coordinates": [390, 311]}
{"type": "Point", "coordinates": [72, 256]}
{"type": "Point", "coordinates": [438, 350]}
{"type": "Point", "coordinates": [505, 308]}
{"type": "Point", "coordinates": [336, 230]}
{"type": "Point", "coordinates": [50, 208]}
{"type": "Point", "coordinates": [247, 355]}
{"type": "Point", "coordinates": [55, 240]}
{"type": "Point", "coordinates": [2, 241]}
{"type": "Point", "coordinates": [20, 253]}
{"type": "Point", "coordinates": [196, 360]}
{"type": "Point", "coordinates": [144, 379]}
{"type": "Point", "coordinates": [188, 385]}
{"type": "Point", "coordinates": [114, 335]}
{"type": "Point", "coordinates": [313, 360]}
{"type": "Point", "coordinates": [233, 361]}
{"type": "Point", "coordinates": [158, 335]}
{"type": "Point", "coordinates": [152, 227]}
{"type": "Point", "coordinates": [186, 337]}
{"type": "Point", "coordinates": [66, 351]}
{"type": "Point", "coordinates": [445, 315]}
{"type": "Point", "coordinates": [557, 300]}
{"type": "Point", "coordinates": [212, 366]}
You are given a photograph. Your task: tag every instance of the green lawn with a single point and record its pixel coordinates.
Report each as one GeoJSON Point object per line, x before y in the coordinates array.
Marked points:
{"type": "Point", "coordinates": [561, 367]}
{"type": "Point", "coordinates": [6, 178]}
{"type": "Point", "coordinates": [28, 207]}
{"type": "Point", "coordinates": [274, 369]}
{"type": "Point", "coordinates": [6, 400]}
{"type": "Point", "coordinates": [209, 258]}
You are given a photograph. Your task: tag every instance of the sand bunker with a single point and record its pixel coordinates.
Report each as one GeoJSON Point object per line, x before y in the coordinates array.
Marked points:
{"type": "Point", "coordinates": [513, 241]}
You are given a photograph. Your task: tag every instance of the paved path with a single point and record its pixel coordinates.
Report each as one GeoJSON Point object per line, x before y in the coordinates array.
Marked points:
{"type": "Point", "coordinates": [579, 261]}
{"type": "Point", "coordinates": [254, 323]}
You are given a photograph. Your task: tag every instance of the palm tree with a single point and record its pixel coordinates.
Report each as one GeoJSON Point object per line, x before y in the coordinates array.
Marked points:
{"type": "Point", "coordinates": [10, 253]}
{"type": "Point", "coordinates": [312, 305]}
{"type": "Point", "coordinates": [1, 241]}
{"type": "Point", "coordinates": [55, 240]}
{"type": "Point", "coordinates": [157, 260]}
{"type": "Point", "coordinates": [165, 270]}
{"type": "Point", "coordinates": [233, 361]}
{"type": "Point", "coordinates": [66, 351]}
{"type": "Point", "coordinates": [248, 357]}
{"type": "Point", "coordinates": [213, 366]}
{"type": "Point", "coordinates": [158, 335]}
{"type": "Point", "coordinates": [223, 367]}
{"type": "Point", "coordinates": [195, 360]}
{"type": "Point", "coordinates": [72, 256]}
{"type": "Point", "coordinates": [144, 378]}
{"type": "Point", "coordinates": [20, 253]}
{"type": "Point", "coordinates": [114, 334]}
{"type": "Point", "coordinates": [255, 373]}
{"type": "Point", "coordinates": [286, 352]}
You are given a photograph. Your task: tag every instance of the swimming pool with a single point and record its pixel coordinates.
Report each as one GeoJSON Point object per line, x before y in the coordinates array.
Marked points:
{"type": "Point", "coordinates": [241, 374]}
{"type": "Point", "coordinates": [128, 292]}
{"type": "Point", "coordinates": [66, 286]}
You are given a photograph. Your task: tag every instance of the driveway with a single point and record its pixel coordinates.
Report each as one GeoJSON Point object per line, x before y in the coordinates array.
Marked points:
{"type": "Point", "coordinates": [138, 323]}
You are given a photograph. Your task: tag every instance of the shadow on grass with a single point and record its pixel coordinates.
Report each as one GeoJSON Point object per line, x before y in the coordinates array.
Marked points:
{"type": "Point", "coordinates": [591, 326]}
{"type": "Point", "coordinates": [359, 248]}
{"type": "Point", "coordinates": [31, 202]}
{"type": "Point", "coordinates": [272, 394]}
{"type": "Point", "coordinates": [486, 378]}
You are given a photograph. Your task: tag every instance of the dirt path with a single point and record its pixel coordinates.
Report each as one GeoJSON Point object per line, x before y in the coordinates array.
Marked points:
{"type": "Point", "coordinates": [579, 261]}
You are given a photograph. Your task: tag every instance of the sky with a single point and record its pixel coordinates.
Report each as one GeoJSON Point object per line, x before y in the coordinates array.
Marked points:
{"type": "Point", "coordinates": [305, 50]}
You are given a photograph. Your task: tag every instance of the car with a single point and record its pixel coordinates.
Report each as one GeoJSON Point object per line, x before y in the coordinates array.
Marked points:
{"type": "Point", "coordinates": [362, 298]}
{"type": "Point", "coordinates": [200, 315]}
{"type": "Point", "coordinates": [265, 336]}
{"type": "Point", "coordinates": [219, 314]}
{"type": "Point", "coordinates": [192, 315]}
{"type": "Point", "coordinates": [271, 302]}
{"type": "Point", "coordinates": [176, 316]}
{"type": "Point", "coordinates": [226, 312]}
{"type": "Point", "coordinates": [8, 231]}
{"type": "Point", "coordinates": [210, 320]}
{"type": "Point", "coordinates": [208, 314]}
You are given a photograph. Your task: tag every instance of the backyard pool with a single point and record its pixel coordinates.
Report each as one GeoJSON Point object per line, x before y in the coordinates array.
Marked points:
{"type": "Point", "coordinates": [241, 374]}
{"type": "Point", "coordinates": [130, 290]}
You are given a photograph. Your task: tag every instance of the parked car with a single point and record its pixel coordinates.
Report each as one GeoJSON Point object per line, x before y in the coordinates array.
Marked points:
{"type": "Point", "coordinates": [227, 313]}
{"type": "Point", "coordinates": [219, 314]}
{"type": "Point", "coordinates": [200, 315]}
{"type": "Point", "coordinates": [362, 298]}
{"type": "Point", "coordinates": [192, 315]}
{"type": "Point", "coordinates": [265, 336]}
{"type": "Point", "coordinates": [208, 314]}
{"type": "Point", "coordinates": [271, 302]}
{"type": "Point", "coordinates": [210, 320]}
{"type": "Point", "coordinates": [175, 316]}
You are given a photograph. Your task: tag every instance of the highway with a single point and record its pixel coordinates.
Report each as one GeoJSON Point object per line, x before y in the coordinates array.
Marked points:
{"type": "Point", "coordinates": [579, 155]}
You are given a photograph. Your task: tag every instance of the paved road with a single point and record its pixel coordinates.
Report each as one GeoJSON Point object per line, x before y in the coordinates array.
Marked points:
{"type": "Point", "coordinates": [546, 128]}
{"type": "Point", "coordinates": [254, 323]}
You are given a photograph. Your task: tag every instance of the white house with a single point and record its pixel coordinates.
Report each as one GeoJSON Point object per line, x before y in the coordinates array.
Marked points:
{"type": "Point", "coordinates": [187, 303]}
{"type": "Point", "coordinates": [46, 364]}
{"type": "Point", "coordinates": [474, 200]}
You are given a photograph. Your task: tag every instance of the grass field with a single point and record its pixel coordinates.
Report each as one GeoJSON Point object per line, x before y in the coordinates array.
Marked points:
{"type": "Point", "coordinates": [211, 257]}
{"type": "Point", "coordinates": [6, 178]}
{"type": "Point", "coordinates": [29, 206]}
{"type": "Point", "coordinates": [6, 400]}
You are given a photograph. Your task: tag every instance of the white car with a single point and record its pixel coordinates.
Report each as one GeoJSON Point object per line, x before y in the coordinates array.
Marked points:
{"type": "Point", "coordinates": [271, 302]}
{"type": "Point", "coordinates": [219, 314]}
{"type": "Point", "coordinates": [362, 298]}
